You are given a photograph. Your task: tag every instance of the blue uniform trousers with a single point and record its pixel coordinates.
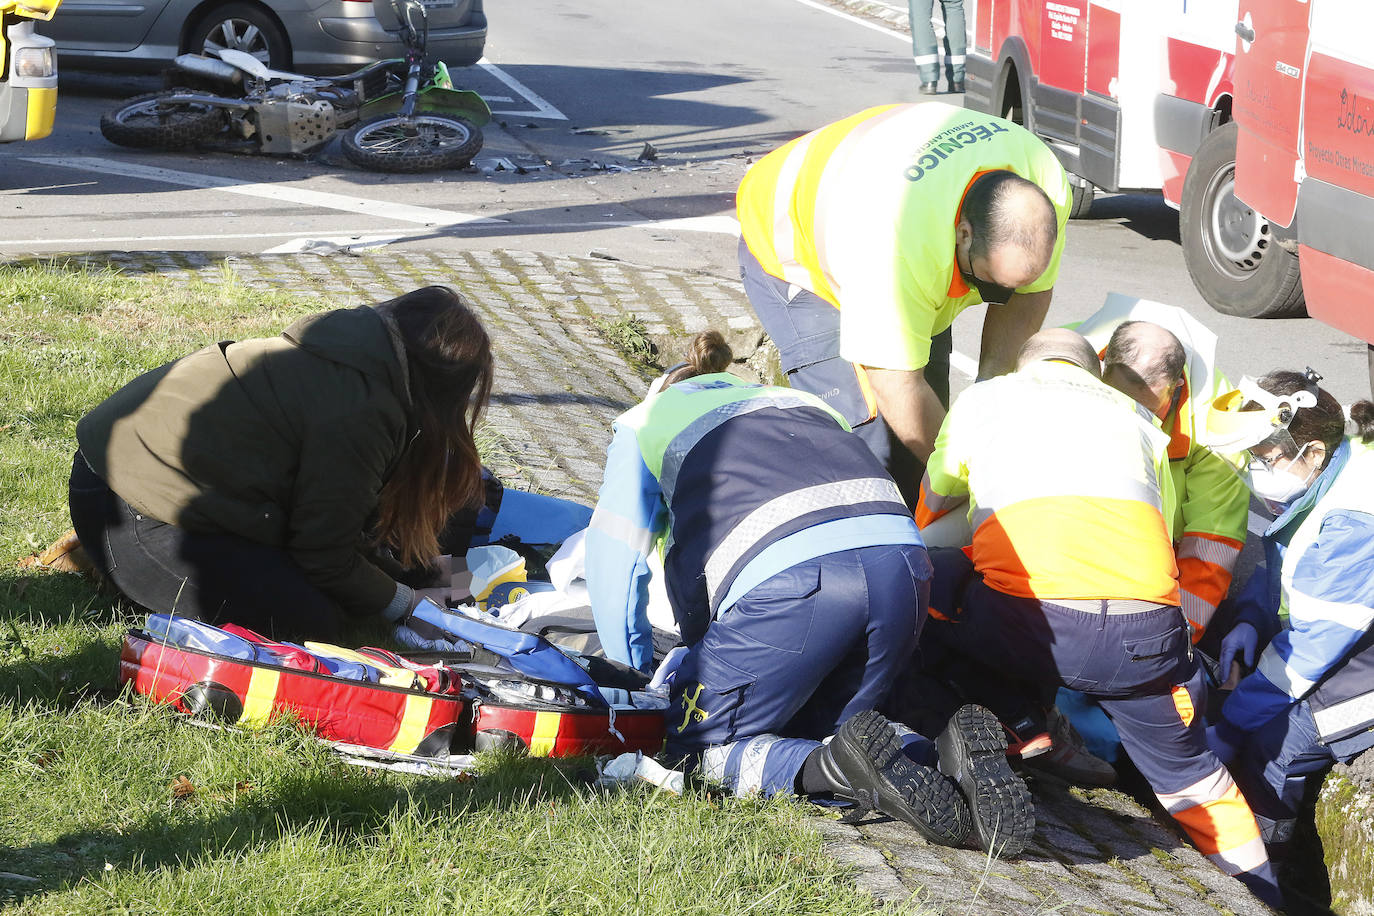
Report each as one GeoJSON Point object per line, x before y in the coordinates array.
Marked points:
{"type": "Point", "coordinates": [806, 330]}
{"type": "Point", "coordinates": [1139, 666]}
{"type": "Point", "coordinates": [792, 659]}
{"type": "Point", "coordinates": [1275, 762]}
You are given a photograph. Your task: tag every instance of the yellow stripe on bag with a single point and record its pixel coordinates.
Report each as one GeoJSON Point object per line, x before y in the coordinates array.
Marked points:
{"type": "Point", "coordinates": [414, 721]}
{"type": "Point", "coordinates": [258, 700]}
{"type": "Point", "coordinates": [545, 733]}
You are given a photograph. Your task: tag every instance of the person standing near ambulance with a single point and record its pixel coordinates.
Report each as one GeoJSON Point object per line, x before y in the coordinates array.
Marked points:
{"type": "Point", "coordinates": [862, 240]}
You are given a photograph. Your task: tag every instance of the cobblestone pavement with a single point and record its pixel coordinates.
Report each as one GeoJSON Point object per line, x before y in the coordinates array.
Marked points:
{"type": "Point", "coordinates": [559, 384]}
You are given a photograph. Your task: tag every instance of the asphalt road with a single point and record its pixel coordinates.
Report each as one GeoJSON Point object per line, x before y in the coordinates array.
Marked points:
{"type": "Point", "coordinates": [579, 90]}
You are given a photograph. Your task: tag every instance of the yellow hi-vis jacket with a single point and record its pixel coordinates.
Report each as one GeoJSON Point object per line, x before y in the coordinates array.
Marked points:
{"type": "Point", "coordinates": [1068, 487]}
{"type": "Point", "coordinates": [862, 213]}
{"type": "Point", "coordinates": [1213, 504]}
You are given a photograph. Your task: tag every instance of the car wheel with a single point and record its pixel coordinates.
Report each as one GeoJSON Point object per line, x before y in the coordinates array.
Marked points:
{"type": "Point", "coordinates": [1231, 252]}
{"type": "Point", "coordinates": [420, 143]}
{"type": "Point", "coordinates": [242, 27]}
{"type": "Point", "coordinates": [1083, 193]}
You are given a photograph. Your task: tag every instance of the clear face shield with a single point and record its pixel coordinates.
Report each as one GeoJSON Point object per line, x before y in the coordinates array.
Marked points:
{"type": "Point", "coordinates": [1249, 428]}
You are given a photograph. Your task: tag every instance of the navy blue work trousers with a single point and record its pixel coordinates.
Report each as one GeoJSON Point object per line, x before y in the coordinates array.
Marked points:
{"type": "Point", "coordinates": [792, 659]}
{"type": "Point", "coordinates": [806, 330]}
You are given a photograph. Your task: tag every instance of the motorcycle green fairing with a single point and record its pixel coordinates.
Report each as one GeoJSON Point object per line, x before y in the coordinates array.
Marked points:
{"type": "Point", "coordinates": [436, 95]}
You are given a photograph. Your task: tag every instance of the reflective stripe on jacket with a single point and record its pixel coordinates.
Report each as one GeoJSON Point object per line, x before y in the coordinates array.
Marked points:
{"type": "Point", "coordinates": [716, 469]}
{"type": "Point", "coordinates": [1323, 550]}
{"type": "Point", "coordinates": [862, 213]}
{"type": "Point", "coordinates": [1213, 504]}
{"type": "Point", "coordinates": [1067, 487]}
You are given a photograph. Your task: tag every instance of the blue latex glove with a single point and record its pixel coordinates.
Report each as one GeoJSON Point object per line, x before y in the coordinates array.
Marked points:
{"type": "Point", "coordinates": [1225, 751]}
{"type": "Point", "coordinates": [1242, 641]}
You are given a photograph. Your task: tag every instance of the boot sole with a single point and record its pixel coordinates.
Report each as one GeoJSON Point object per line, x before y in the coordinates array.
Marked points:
{"type": "Point", "coordinates": [973, 750]}
{"type": "Point", "coordinates": [865, 746]}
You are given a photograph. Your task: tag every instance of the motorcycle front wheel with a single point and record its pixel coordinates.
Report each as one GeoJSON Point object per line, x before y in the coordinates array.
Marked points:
{"type": "Point", "coordinates": [149, 121]}
{"type": "Point", "coordinates": [420, 143]}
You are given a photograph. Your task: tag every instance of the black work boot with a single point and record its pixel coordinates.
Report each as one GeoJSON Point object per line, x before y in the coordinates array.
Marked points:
{"type": "Point", "coordinates": [973, 750]}
{"type": "Point", "coordinates": [864, 762]}
{"type": "Point", "coordinates": [930, 88]}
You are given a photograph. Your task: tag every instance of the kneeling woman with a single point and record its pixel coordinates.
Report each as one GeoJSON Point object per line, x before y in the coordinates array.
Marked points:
{"type": "Point", "coordinates": [284, 483]}
{"type": "Point", "coordinates": [1308, 614]}
{"type": "Point", "coordinates": [798, 579]}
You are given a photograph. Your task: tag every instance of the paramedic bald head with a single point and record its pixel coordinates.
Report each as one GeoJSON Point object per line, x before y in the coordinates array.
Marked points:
{"type": "Point", "coordinates": [1145, 361]}
{"type": "Point", "coordinates": [861, 242]}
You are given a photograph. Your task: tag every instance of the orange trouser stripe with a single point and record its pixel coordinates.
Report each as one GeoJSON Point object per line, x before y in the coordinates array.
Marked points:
{"type": "Point", "coordinates": [1220, 825]}
{"type": "Point", "coordinates": [1183, 702]}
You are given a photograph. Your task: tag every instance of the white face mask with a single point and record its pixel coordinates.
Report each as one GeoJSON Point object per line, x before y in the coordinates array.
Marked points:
{"type": "Point", "coordinates": [1277, 488]}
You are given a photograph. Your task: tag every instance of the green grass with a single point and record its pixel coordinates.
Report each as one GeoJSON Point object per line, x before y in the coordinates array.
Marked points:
{"type": "Point", "coordinates": [113, 805]}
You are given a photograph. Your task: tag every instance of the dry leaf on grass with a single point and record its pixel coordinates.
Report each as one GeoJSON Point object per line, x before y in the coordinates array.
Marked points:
{"type": "Point", "coordinates": [182, 788]}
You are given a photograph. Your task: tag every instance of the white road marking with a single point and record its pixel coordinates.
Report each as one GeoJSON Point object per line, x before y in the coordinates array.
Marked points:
{"type": "Point", "coordinates": [426, 216]}
{"type": "Point", "coordinates": [893, 33]}
{"type": "Point", "coordinates": [965, 365]}
{"type": "Point", "coordinates": [129, 239]}
{"type": "Point", "coordinates": [542, 108]}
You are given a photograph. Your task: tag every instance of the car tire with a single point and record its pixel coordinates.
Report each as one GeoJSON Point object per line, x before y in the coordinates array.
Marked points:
{"type": "Point", "coordinates": [423, 142]}
{"type": "Point", "coordinates": [145, 122]}
{"type": "Point", "coordinates": [244, 27]}
{"type": "Point", "coordinates": [1232, 254]}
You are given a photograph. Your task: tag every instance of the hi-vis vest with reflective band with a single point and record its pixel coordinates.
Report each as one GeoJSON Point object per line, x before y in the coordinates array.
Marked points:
{"type": "Point", "coordinates": [1067, 487]}
{"type": "Point", "coordinates": [862, 213]}
{"type": "Point", "coordinates": [1213, 504]}
{"type": "Point", "coordinates": [741, 466]}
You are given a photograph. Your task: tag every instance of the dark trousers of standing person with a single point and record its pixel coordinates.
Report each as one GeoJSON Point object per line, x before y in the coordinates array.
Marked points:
{"type": "Point", "coordinates": [792, 659]}
{"type": "Point", "coordinates": [806, 330]}
{"type": "Point", "coordinates": [217, 578]}
{"type": "Point", "coordinates": [926, 49]}
{"type": "Point", "coordinates": [1136, 660]}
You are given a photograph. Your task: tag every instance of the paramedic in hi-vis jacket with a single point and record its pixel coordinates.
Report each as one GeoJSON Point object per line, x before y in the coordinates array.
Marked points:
{"type": "Point", "coordinates": [799, 581]}
{"type": "Point", "coordinates": [1310, 699]}
{"type": "Point", "coordinates": [1072, 580]}
{"type": "Point", "coordinates": [1212, 504]}
{"type": "Point", "coordinates": [862, 240]}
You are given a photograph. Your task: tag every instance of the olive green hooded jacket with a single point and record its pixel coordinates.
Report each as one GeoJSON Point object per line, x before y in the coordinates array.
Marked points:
{"type": "Point", "coordinates": [285, 441]}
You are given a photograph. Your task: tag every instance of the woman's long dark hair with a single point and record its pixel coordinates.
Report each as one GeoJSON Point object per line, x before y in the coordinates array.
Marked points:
{"type": "Point", "coordinates": [450, 364]}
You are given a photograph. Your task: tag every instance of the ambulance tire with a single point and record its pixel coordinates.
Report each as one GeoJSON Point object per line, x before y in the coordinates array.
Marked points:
{"type": "Point", "coordinates": [1232, 254]}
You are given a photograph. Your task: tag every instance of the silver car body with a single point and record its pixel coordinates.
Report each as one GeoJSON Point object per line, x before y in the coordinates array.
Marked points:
{"type": "Point", "coordinates": [324, 36]}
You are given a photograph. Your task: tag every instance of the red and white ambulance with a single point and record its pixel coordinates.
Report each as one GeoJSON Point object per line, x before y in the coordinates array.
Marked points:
{"type": "Point", "coordinates": [1255, 118]}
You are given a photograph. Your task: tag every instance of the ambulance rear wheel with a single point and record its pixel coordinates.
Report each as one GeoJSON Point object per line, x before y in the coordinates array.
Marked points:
{"type": "Point", "coordinates": [1232, 254]}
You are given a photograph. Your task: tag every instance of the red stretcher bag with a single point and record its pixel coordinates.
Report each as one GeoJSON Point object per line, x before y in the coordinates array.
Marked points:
{"type": "Point", "coordinates": [245, 693]}
{"type": "Point", "coordinates": [496, 708]}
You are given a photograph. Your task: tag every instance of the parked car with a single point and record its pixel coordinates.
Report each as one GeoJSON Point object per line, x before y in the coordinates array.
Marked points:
{"type": "Point", "coordinates": [306, 36]}
{"type": "Point", "coordinates": [28, 71]}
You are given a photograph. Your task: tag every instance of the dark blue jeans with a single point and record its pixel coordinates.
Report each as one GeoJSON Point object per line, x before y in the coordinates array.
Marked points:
{"type": "Point", "coordinates": [792, 659]}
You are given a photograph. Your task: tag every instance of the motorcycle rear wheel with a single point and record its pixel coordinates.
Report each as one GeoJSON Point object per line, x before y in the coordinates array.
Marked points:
{"type": "Point", "coordinates": [421, 143]}
{"type": "Point", "coordinates": [149, 122]}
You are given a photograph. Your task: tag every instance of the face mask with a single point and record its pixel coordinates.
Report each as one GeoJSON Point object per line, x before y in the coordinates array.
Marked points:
{"type": "Point", "coordinates": [1277, 488]}
{"type": "Point", "coordinates": [991, 292]}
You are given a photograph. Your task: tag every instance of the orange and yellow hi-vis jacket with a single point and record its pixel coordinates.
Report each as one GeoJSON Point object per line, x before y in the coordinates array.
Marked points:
{"type": "Point", "coordinates": [1213, 503]}
{"type": "Point", "coordinates": [862, 213]}
{"type": "Point", "coordinates": [1067, 485]}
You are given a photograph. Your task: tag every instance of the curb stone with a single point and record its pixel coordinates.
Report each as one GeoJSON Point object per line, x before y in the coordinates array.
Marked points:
{"type": "Point", "coordinates": [557, 388]}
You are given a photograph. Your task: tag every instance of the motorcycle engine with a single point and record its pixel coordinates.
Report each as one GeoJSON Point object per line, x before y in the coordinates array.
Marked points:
{"type": "Point", "coordinates": [297, 118]}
